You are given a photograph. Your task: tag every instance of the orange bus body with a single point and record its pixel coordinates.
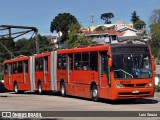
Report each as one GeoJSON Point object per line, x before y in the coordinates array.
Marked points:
{"type": "Point", "coordinates": [13, 74]}
{"type": "Point", "coordinates": [86, 72]}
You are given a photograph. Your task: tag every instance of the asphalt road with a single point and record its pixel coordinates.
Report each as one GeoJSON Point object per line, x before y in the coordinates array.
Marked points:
{"type": "Point", "coordinates": [54, 102]}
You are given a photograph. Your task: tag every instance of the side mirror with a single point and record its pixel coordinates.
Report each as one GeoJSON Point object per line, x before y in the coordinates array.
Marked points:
{"type": "Point", "coordinates": [109, 62]}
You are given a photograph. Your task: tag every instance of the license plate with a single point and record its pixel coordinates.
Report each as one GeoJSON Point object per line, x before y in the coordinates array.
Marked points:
{"type": "Point", "coordinates": [135, 91]}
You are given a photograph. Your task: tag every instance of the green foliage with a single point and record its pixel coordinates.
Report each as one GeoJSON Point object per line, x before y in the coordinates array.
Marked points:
{"type": "Point", "coordinates": [139, 24]}
{"type": "Point", "coordinates": [44, 44]}
{"type": "Point", "coordinates": [61, 23]}
{"type": "Point", "coordinates": [106, 17]}
{"type": "Point", "coordinates": [129, 42]}
{"type": "Point", "coordinates": [1, 76]}
{"type": "Point", "coordinates": [155, 17]}
{"type": "Point", "coordinates": [155, 41]}
{"type": "Point", "coordinates": [76, 39]}
{"type": "Point", "coordinates": [24, 47]}
{"type": "Point", "coordinates": [21, 47]}
{"type": "Point", "coordinates": [10, 45]}
{"type": "Point", "coordinates": [158, 57]}
{"type": "Point", "coordinates": [99, 28]}
{"type": "Point", "coordinates": [134, 17]}
{"type": "Point", "coordinates": [157, 87]}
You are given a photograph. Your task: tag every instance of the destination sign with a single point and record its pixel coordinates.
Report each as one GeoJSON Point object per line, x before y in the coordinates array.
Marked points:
{"type": "Point", "coordinates": [129, 49]}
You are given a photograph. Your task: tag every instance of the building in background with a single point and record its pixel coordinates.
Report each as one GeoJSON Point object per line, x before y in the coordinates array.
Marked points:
{"type": "Point", "coordinates": [112, 33]}
{"type": "Point", "coordinates": [105, 36]}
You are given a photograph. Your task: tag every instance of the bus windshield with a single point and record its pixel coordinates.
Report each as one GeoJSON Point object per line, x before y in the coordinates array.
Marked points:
{"type": "Point", "coordinates": [135, 64]}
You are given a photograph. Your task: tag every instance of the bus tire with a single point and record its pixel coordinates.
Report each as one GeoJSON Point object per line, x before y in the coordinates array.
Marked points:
{"type": "Point", "coordinates": [16, 88]}
{"type": "Point", "coordinates": [40, 91]}
{"type": "Point", "coordinates": [63, 89]}
{"type": "Point", "coordinates": [94, 93]}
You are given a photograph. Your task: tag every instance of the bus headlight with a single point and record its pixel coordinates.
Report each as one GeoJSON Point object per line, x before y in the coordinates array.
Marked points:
{"type": "Point", "coordinates": [118, 85]}
{"type": "Point", "coordinates": [149, 85]}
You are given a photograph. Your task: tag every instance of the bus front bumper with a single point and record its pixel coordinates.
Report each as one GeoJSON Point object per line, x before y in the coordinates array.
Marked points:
{"type": "Point", "coordinates": [135, 93]}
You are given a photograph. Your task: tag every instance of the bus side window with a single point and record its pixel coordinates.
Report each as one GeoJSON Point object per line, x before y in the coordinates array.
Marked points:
{"type": "Point", "coordinates": [77, 61]}
{"type": "Point", "coordinates": [104, 61]}
{"type": "Point", "coordinates": [94, 61]}
{"type": "Point", "coordinates": [20, 67]}
{"type": "Point", "coordinates": [15, 69]}
{"type": "Point", "coordinates": [85, 61]}
{"type": "Point", "coordinates": [46, 63]}
{"type": "Point", "coordinates": [70, 61]}
{"type": "Point", "coordinates": [39, 64]}
{"type": "Point", "coordinates": [26, 66]}
{"type": "Point", "coordinates": [61, 62]}
{"type": "Point", "coordinates": [5, 69]}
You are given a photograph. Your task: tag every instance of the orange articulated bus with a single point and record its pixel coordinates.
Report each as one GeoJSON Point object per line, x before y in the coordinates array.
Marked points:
{"type": "Point", "coordinates": [116, 71]}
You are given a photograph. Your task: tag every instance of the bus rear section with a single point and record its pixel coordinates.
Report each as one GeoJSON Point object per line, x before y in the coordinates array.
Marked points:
{"type": "Point", "coordinates": [16, 74]}
{"type": "Point", "coordinates": [132, 72]}
{"type": "Point", "coordinates": [31, 73]}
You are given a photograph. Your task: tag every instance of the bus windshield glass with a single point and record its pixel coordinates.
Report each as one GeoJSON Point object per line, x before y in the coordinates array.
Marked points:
{"type": "Point", "coordinates": [132, 63]}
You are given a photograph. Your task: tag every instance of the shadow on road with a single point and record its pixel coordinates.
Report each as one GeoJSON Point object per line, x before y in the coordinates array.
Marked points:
{"type": "Point", "coordinates": [113, 102]}
{"type": "Point", "coordinates": [130, 101]}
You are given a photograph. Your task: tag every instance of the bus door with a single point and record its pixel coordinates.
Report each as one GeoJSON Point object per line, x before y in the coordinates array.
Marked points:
{"type": "Point", "coordinates": [46, 72]}
{"type": "Point", "coordinates": [70, 75]}
{"type": "Point", "coordinates": [25, 72]}
{"type": "Point", "coordinates": [39, 73]}
{"type": "Point", "coordinates": [20, 74]}
{"type": "Point", "coordinates": [103, 70]}
{"type": "Point", "coordinates": [70, 69]}
{"type": "Point", "coordinates": [9, 73]}
{"type": "Point", "coordinates": [6, 73]}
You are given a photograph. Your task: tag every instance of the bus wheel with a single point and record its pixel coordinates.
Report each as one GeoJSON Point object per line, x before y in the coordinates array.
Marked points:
{"type": "Point", "coordinates": [63, 89]}
{"type": "Point", "coordinates": [40, 91]}
{"type": "Point", "coordinates": [16, 88]}
{"type": "Point", "coordinates": [94, 93]}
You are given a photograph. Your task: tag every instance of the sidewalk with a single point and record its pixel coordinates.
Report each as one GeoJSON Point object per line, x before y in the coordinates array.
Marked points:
{"type": "Point", "coordinates": [157, 94]}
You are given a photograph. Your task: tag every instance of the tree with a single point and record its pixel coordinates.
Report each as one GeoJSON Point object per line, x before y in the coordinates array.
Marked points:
{"type": "Point", "coordinates": [21, 47]}
{"type": "Point", "coordinates": [44, 44]}
{"type": "Point", "coordinates": [134, 17]}
{"type": "Point", "coordinates": [10, 45]}
{"type": "Point", "coordinates": [139, 24]}
{"type": "Point", "coordinates": [155, 17]}
{"type": "Point", "coordinates": [99, 28]}
{"type": "Point", "coordinates": [158, 57]}
{"type": "Point", "coordinates": [61, 23]}
{"type": "Point", "coordinates": [76, 38]}
{"type": "Point", "coordinates": [155, 41]}
{"type": "Point", "coordinates": [106, 17]}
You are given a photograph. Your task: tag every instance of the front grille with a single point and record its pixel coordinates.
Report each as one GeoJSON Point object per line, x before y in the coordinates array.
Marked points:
{"type": "Point", "coordinates": [128, 85]}
{"type": "Point", "coordinates": [141, 85]}
{"type": "Point", "coordinates": [135, 85]}
{"type": "Point", "coordinates": [130, 93]}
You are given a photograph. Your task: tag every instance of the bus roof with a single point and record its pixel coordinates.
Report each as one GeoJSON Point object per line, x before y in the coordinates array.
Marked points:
{"type": "Point", "coordinates": [98, 47]}
{"type": "Point", "coordinates": [42, 54]}
{"type": "Point", "coordinates": [21, 58]}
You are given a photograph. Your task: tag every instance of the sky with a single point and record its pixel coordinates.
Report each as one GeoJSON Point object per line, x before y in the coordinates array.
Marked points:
{"type": "Point", "coordinates": [40, 13]}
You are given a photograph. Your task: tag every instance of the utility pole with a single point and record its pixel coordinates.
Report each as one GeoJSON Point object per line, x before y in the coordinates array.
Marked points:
{"type": "Point", "coordinates": [92, 18]}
